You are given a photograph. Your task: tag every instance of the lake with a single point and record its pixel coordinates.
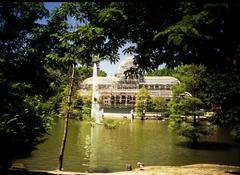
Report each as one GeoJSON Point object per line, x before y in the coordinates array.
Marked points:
{"type": "Point", "coordinates": [100, 149]}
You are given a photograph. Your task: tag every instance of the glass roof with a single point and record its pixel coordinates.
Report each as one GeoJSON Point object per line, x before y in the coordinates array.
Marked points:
{"type": "Point", "coordinates": [147, 80]}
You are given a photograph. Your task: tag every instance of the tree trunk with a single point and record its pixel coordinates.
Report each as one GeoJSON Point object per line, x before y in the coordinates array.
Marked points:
{"type": "Point", "coordinates": [195, 139]}
{"type": "Point", "coordinates": [143, 114]}
{"type": "Point", "coordinates": [68, 114]}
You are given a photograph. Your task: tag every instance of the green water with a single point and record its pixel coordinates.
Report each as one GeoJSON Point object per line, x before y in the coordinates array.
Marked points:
{"type": "Point", "coordinates": [101, 149]}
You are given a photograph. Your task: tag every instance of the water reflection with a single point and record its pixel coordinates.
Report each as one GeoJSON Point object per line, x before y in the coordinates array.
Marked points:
{"type": "Point", "coordinates": [100, 149]}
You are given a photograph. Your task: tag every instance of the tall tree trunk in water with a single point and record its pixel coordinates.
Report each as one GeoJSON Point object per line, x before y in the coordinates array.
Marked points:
{"type": "Point", "coordinates": [66, 120]}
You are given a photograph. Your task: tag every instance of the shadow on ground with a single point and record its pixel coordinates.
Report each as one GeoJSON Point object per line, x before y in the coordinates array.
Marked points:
{"type": "Point", "coordinates": [25, 172]}
{"type": "Point", "coordinates": [99, 170]}
{"type": "Point", "coordinates": [22, 172]}
{"type": "Point", "coordinates": [206, 145]}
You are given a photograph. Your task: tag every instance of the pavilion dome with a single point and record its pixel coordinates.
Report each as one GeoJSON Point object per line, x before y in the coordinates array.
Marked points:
{"type": "Point", "coordinates": [100, 80]}
{"type": "Point", "coordinates": [125, 65]}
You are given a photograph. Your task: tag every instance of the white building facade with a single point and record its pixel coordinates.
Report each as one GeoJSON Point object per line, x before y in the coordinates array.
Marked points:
{"type": "Point", "coordinates": [118, 91]}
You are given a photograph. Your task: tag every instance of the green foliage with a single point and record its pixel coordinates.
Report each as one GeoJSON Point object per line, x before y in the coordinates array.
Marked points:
{"type": "Point", "coordinates": [22, 125]}
{"type": "Point", "coordinates": [224, 89]}
{"type": "Point", "coordinates": [178, 89]}
{"type": "Point", "coordinates": [236, 133]}
{"type": "Point", "coordinates": [86, 108]}
{"type": "Point", "coordinates": [161, 72]}
{"type": "Point", "coordinates": [192, 35]}
{"type": "Point", "coordinates": [185, 110]}
{"type": "Point", "coordinates": [193, 79]}
{"type": "Point", "coordinates": [113, 124]}
{"type": "Point", "coordinates": [114, 13]}
{"type": "Point", "coordinates": [188, 106]}
{"type": "Point", "coordinates": [212, 88]}
{"type": "Point", "coordinates": [83, 72]}
{"type": "Point", "coordinates": [81, 103]}
{"type": "Point", "coordinates": [102, 73]}
{"type": "Point", "coordinates": [35, 58]}
{"type": "Point", "coordinates": [86, 112]}
{"type": "Point", "coordinates": [74, 107]}
{"type": "Point", "coordinates": [158, 104]}
{"type": "Point", "coordinates": [188, 27]}
{"type": "Point", "coordinates": [77, 45]}
{"type": "Point", "coordinates": [199, 33]}
{"type": "Point", "coordinates": [184, 118]}
{"type": "Point", "coordinates": [142, 101]}
{"type": "Point", "coordinates": [25, 85]}
{"type": "Point", "coordinates": [146, 103]}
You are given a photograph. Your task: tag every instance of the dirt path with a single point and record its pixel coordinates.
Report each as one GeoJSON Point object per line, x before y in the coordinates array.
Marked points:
{"type": "Point", "coordinates": [195, 169]}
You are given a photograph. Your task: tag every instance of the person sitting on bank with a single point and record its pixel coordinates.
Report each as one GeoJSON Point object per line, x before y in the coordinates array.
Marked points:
{"type": "Point", "coordinates": [140, 165]}
{"type": "Point", "coordinates": [129, 167]}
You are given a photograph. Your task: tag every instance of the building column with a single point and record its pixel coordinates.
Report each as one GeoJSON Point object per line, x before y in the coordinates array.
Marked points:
{"type": "Point", "coordinates": [126, 100]}
{"type": "Point", "coordinates": [115, 100]}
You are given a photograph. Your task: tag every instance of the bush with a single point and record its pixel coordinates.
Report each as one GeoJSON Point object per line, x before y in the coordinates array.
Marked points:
{"type": "Point", "coordinates": [113, 124]}
{"type": "Point", "coordinates": [23, 126]}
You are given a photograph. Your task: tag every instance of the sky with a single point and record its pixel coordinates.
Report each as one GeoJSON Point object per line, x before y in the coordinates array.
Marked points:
{"type": "Point", "coordinates": [106, 66]}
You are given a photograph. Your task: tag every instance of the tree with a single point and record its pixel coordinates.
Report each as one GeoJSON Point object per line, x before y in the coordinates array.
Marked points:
{"type": "Point", "coordinates": [209, 87]}
{"type": "Point", "coordinates": [80, 104]}
{"type": "Point", "coordinates": [102, 73]}
{"type": "Point", "coordinates": [142, 102]}
{"type": "Point", "coordinates": [67, 116]}
{"type": "Point", "coordinates": [199, 33]}
{"type": "Point", "coordinates": [86, 104]}
{"type": "Point", "coordinates": [79, 44]}
{"type": "Point", "coordinates": [161, 72]}
{"type": "Point", "coordinates": [225, 95]}
{"type": "Point", "coordinates": [158, 105]}
{"type": "Point", "coordinates": [193, 80]}
{"type": "Point", "coordinates": [185, 109]}
{"type": "Point", "coordinates": [25, 86]}
{"type": "Point", "coordinates": [191, 35]}
{"type": "Point", "coordinates": [184, 118]}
